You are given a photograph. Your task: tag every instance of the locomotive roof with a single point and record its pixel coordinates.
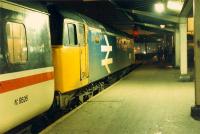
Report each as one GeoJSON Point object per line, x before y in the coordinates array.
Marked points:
{"type": "Point", "coordinates": [81, 18]}
{"type": "Point", "coordinates": [91, 22]}
{"type": "Point", "coordinates": [71, 15]}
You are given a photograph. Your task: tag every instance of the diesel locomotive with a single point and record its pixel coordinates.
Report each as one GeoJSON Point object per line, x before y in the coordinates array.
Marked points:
{"type": "Point", "coordinates": [52, 56]}
{"type": "Point", "coordinates": [84, 54]}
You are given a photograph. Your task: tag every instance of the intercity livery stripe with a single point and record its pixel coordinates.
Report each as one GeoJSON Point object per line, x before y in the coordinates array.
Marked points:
{"type": "Point", "coordinates": [13, 84]}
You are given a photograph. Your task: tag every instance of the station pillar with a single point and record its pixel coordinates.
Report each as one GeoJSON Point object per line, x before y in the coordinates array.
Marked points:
{"type": "Point", "coordinates": [195, 111]}
{"type": "Point", "coordinates": [177, 48]}
{"type": "Point", "coordinates": [183, 51]}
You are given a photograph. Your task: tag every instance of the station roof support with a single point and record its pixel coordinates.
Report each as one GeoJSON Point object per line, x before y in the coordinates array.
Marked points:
{"type": "Point", "coordinates": [155, 26]}
{"type": "Point", "coordinates": [169, 18]}
{"type": "Point", "coordinates": [125, 13]}
{"type": "Point", "coordinates": [187, 8]}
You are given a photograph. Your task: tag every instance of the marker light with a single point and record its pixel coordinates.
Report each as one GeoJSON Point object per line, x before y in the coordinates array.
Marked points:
{"type": "Point", "coordinates": [159, 7]}
{"type": "Point", "coordinates": [175, 5]}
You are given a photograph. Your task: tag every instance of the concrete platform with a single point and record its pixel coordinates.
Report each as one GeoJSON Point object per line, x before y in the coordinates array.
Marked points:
{"type": "Point", "coordinates": [150, 100]}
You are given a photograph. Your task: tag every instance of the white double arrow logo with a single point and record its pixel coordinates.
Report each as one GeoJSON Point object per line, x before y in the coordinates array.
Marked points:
{"type": "Point", "coordinates": [106, 48]}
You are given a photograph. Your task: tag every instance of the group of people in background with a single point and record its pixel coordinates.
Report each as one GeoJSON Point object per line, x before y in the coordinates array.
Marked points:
{"type": "Point", "coordinates": [164, 54]}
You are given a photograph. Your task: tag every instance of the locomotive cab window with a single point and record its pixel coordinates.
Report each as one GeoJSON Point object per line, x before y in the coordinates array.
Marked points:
{"type": "Point", "coordinates": [65, 35]}
{"type": "Point", "coordinates": [72, 34]}
{"type": "Point", "coordinates": [81, 34]}
{"type": "Point", "coordinates": [16, 43]}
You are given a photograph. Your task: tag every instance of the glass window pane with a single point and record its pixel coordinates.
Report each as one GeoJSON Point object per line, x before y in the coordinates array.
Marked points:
{"type": "Point", "coordinates": [65, 35]}
{"type": "Point", "coordinates": [17, 50]}
{"type": "Point", "coordinates": [10, 42]}
{"type": "Point", "coordinates": [8, 28]}
{"type": "Point", "coordinates": [16, 41]}
{"type": "Point", "coordinates": [24, 48]}
{"type": "Point", "coordinates": [81, 34]}
{"type": "Point", "coordinates": [16, 30]}
{"type": "Point", "coordinates": [72, 34]}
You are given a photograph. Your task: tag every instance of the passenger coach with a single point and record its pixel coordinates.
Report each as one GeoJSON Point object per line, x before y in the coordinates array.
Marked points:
{"type": "Point", "coordinates": [26, 79]}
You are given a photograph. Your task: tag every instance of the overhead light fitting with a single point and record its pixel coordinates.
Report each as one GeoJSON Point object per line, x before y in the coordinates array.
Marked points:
{"type": "Point", "coordinates": [159, 7]}
{"type": "Point", "coordinates": [162, 26]}
{"type": "Point", "coordinates": [159, 40]}
{"type": "Point", "coordinates": [175, 5]}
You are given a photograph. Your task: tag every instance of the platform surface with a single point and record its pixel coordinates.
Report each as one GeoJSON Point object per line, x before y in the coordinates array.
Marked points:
{"type": "Point", "coordinates": [149, 100]}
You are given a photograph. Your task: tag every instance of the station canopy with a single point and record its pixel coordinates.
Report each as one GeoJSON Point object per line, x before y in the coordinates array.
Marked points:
{"type": "Point", "coordinates": [131, 15]}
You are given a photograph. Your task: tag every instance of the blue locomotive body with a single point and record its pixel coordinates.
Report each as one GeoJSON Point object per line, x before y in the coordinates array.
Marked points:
{"type": "Point", "coordinates": [105, 54]}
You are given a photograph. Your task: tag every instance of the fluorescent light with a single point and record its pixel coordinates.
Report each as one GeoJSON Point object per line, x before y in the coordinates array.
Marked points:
{"type": "Point", "coordinates": [175, 5]}
{"type": "Point", "coordinates": [159, 7]}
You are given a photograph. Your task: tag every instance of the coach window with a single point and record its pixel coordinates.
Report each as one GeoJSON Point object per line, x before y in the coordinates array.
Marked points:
{"type": "Point", "coordinates": [72, 34]}
{"type": "Point", "coordinates": [81, 34]}
{"type": "Point", "coordinates": [16, 41]}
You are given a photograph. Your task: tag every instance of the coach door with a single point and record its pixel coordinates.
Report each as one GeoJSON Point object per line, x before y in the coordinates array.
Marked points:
{"type": "Point", "coordinates": [83, 51]}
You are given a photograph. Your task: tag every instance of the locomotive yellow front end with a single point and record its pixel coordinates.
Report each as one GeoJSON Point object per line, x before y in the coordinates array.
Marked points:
{"type": "Point", "coordinates": [67, 65]}
{"type": "Point", "coordinates": [70, 60]}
